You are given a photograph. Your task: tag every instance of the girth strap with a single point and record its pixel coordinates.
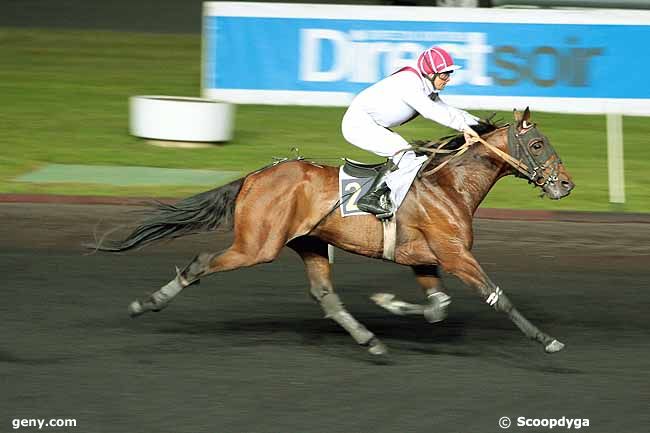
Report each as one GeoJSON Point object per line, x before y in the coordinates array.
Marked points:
{"type": "Point", "coordinates": [390, 237]}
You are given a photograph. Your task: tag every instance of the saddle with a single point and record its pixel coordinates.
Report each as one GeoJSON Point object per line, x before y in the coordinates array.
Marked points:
{"type": "Point", "coordinates": [355, 180]}
{"type": "Point", "coordinates": [362, 170]}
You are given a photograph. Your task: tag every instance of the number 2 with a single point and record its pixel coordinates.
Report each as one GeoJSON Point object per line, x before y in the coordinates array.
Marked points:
{"type": "Point", "coordinates": [351, 205]}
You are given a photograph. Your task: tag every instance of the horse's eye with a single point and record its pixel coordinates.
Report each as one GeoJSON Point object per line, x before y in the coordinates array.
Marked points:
{"type": "Point", "coordinates": [536, 145]}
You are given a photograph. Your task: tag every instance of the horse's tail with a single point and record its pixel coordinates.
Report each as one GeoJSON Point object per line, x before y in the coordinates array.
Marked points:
{"type": "Point", "coordinates": [199, 213]}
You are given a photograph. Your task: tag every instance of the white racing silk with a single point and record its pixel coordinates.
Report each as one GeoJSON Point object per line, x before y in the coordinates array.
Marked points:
{"type": "Point", "coordinates": [397, 98]}
{"type": "Point", "coordinates": [391, 102]}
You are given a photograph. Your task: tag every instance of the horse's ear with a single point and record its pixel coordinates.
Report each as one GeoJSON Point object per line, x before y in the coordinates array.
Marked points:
{"type": "Point", "coordinates": [523, 120]}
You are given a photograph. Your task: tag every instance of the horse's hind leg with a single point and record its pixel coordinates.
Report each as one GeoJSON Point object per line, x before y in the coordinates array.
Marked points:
{"type": "Point", "coordinates": [313, 252]}
{"type": "Point", "coordinates": [247, 250]}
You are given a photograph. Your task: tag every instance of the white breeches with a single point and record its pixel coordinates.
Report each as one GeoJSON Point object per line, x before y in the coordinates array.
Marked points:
{"type": "Point", "coordinates": [360, 129]}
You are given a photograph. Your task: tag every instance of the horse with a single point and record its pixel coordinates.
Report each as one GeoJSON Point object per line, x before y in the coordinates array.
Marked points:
{"type": "Point", "coordinates": [292, 204]}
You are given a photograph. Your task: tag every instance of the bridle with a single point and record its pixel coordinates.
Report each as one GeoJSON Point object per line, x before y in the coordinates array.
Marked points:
{"type": "Point", "coordinates": [545, 167]}
{"type": "Point", "coordinates": [519, 156]}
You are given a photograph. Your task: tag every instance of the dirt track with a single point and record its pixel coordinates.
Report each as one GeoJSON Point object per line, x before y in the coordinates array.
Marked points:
{"type": "Point", "coordinates": [248, 351]}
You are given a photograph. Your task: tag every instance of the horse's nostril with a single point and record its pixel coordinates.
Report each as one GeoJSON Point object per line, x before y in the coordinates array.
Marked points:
{"type": "Point", "coordinates": [566, 184]}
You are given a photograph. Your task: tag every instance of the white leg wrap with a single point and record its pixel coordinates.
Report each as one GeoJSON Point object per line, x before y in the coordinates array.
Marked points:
{"type": "Point", "coordinates": [334, 310]}
{"type": "Point", "coordinates": [170, 290]}
{"type": "Point", "coordinates": [360, 334]}
{"type": "Point", "coordinates": [436, 311]}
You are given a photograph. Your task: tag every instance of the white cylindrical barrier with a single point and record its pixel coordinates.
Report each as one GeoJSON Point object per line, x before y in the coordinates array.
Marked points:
{"type": "Point", "coordinates": [180, 118]}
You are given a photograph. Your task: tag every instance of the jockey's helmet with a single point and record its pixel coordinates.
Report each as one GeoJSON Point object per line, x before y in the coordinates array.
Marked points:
{"type": "Point", "coordinates": [435, 60]}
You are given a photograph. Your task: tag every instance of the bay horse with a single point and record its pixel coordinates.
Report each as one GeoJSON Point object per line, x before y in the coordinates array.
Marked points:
{"type": "Point", "coordinates": [293, 204]}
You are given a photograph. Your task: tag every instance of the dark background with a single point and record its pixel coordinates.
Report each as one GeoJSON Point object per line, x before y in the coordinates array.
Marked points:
{"type": "Point", "coordinates": [159, 16]}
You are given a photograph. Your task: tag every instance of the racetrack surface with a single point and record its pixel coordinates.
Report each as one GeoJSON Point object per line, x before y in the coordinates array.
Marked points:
{"type": "Point", "coordinates": [249, 351]}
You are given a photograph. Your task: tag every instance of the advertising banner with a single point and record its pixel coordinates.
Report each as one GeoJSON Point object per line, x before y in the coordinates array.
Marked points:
{"type": "Point", "coordinates": [592, 61]}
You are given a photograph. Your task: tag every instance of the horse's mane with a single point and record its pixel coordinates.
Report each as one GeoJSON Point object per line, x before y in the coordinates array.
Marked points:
{"type": "Point", "coordinates": [453, 142]}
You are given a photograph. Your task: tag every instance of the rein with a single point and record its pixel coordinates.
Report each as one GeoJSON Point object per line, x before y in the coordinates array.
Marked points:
{"type": "Point", "coordinates": [516, 163]}
{"type": "Point", "coordinates": [436, 151]}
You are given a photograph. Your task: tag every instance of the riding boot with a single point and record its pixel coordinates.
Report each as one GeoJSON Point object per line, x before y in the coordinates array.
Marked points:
{"type": "Point", "coordinates": [371, 201]}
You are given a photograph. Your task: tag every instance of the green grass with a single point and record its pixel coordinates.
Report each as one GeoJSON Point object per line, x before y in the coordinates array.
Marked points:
{"type": "Point", "coordinates": [64, 99]}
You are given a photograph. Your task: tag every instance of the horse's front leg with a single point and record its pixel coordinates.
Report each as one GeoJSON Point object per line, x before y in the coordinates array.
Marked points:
{"type": "Point", "coordinates": [464, 265]}
{"type": "Point", "coordinates": [434, 309]}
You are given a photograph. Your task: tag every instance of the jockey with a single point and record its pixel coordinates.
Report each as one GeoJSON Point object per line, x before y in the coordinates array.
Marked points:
{"type": "Point", "coordinates": [393, 101]}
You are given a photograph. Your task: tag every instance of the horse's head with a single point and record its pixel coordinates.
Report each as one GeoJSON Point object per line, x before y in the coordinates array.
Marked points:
{"type": "Point", "coordinates": [545, 169]}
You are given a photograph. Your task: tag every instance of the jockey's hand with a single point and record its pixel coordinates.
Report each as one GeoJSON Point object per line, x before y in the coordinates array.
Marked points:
{"type": "Point", "coordinates": [471, 136]}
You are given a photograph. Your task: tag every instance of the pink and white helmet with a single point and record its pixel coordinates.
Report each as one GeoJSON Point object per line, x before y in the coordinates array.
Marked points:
{"type": "Point", "coordinates": [436, 60]}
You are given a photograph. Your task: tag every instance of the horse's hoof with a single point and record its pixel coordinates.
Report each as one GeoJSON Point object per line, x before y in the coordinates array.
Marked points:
{"type": "Point", "coordinates": [553, 346]}
{"type": "Point", "coordinates": [436, 311]}
{"type": "Point", "coordinates": [376, 347]}
{"type": "Point", "coordinates": [136, 309]}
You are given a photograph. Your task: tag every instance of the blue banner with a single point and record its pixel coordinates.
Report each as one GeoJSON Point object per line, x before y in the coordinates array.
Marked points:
{"type": "Point", "coordinates": [304, 54]}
